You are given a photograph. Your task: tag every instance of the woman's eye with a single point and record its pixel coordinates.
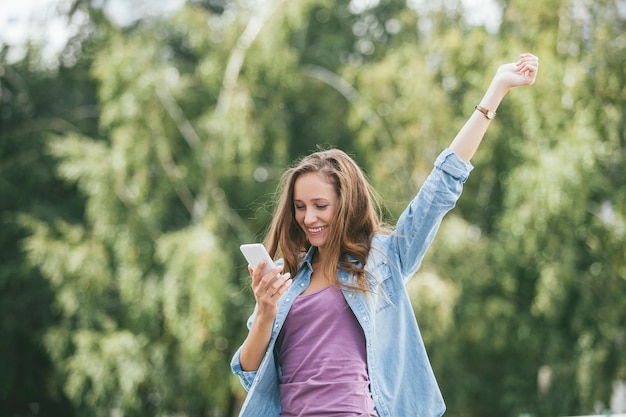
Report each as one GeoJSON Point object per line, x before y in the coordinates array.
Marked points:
{"type": "Point", "coordinates": [321, 207]}
{"type": "Point", "coordinates": [299, 207]}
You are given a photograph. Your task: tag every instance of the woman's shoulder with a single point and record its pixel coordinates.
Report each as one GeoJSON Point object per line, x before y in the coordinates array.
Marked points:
{"type": "Point", "coordinates": [379, 249]}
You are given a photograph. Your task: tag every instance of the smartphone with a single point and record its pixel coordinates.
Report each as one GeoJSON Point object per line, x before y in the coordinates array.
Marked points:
{"type": "Point", "coordinates": [255, 253]}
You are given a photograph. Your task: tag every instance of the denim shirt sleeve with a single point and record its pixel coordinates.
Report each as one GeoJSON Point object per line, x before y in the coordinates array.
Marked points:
{"type": "Point", "coordinates": [417, 226]}
{"type": "Point", "coordinates": [246, 377]}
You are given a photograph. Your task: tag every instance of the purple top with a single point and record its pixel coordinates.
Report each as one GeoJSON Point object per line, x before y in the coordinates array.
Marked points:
{"type": "Point", "coordinates": [323, 359]}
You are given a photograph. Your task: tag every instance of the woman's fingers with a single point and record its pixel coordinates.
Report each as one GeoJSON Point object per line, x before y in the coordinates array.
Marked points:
{"type": "Point", "coordinates": [526, 58]}
{"type": "Point", "coordinates": [279, 285]}
{"type": "Point", "coordinates": [528, 64]}
{"type": "Point", "coordinates": [257, 274]}
{"type": "Point", "coordinates": [270, 285]}
{"type": "Point", "coordinates": [520, 73]}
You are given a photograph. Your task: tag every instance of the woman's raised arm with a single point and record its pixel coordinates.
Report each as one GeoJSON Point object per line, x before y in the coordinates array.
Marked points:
{"type": "Point", "coordinates": [515, 74]}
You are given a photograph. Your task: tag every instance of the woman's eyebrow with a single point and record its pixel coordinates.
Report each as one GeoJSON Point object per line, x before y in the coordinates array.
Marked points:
{"type": "Point", "coordinates": [315, 200]}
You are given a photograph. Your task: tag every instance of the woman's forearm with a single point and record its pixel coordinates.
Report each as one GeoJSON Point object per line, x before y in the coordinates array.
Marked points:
{"type": "Point", "coordinates": [255, 345]}
{"type": "Point", "coordinates": [515, 74]}
{"type": "Point", "coordinates": [471, 134]}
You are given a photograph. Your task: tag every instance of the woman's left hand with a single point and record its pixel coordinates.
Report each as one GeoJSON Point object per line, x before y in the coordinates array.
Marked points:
{"type": "Point", "coordinates": [520, 73]}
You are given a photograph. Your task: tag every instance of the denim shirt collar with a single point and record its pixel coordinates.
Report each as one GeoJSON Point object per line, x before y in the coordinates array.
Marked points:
{"type": "Point", "coordinates": [308, 257]}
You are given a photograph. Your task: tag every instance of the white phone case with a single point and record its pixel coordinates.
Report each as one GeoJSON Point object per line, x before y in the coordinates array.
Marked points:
{"type": "Point", "coordinates": [255, 253]}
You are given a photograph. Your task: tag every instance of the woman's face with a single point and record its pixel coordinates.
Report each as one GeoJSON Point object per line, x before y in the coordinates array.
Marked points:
{"type": "Point", "coordinates": [315, 203]}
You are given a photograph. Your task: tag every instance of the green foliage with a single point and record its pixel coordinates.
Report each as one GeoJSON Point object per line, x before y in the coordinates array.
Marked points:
{"type": "Point", "coordinates": [128, 221]}
{"type": "Point", "coordinates": [33, 102]}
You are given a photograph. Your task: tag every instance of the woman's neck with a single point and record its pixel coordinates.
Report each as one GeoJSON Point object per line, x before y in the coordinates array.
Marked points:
{"type": "Point", "coordinates": [320, 258]}
{"type": "Point", "coordinates": [321, 276]}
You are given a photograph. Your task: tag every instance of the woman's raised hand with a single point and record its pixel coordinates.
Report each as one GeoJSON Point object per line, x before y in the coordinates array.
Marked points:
{"type": "Point", "coordinates": [520, 73]}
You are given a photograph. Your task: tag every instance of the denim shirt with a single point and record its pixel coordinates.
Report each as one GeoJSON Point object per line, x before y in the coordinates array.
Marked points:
{"type": "Point", "coordinates": [402, 381]}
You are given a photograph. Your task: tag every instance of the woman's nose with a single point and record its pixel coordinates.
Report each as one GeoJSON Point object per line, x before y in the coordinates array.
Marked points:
{"type": "Point", "coordinates": [309, 217]}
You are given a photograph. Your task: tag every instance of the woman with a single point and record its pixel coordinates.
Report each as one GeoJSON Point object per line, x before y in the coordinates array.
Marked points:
{"type": "Point", "coordinates": [335, 334]}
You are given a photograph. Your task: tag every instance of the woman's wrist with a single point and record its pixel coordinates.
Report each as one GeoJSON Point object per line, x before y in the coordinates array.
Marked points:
{"type": "Point", "coordinates": [263, 319]}
{"type": "Point", "coordinates": [495, 94]}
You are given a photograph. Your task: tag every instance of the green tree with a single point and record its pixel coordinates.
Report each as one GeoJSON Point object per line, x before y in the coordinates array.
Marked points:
{"type": "Point", "coordinates": [34, 102]}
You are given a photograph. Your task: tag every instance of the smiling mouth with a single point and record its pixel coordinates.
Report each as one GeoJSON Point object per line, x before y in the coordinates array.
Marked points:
{"type": "Point", "coordinates": [316, 229]}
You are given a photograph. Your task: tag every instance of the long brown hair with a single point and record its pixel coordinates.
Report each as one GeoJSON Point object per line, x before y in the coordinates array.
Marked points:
{"type": "Point", "coordinates": [358, 217]}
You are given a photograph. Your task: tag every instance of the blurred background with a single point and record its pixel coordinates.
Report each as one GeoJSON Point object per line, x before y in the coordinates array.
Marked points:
{"type": "Point", "coordinates": [141, 142]}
